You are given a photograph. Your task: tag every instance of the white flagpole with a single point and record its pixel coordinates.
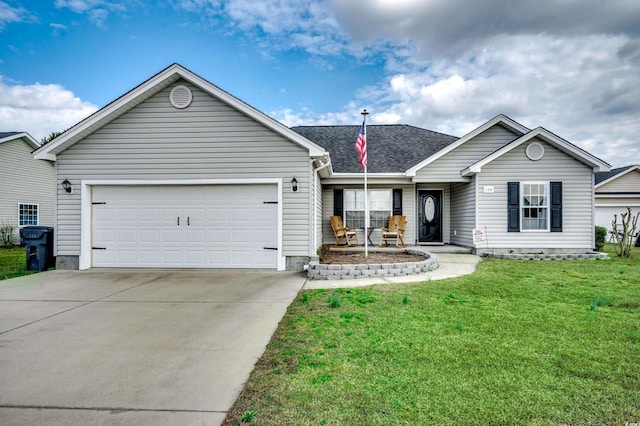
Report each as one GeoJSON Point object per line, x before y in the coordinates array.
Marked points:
{"type": "Point", "coordinates": [366, 195]}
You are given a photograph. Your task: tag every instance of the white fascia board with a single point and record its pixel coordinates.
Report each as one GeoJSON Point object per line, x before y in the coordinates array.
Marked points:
{"type": "Point", "coordinates": [373, 179]}
{"type": "Point", "coordinates": [134, 182]}
{"type": "Point", "coordinates": [547, 136]}
{"type": "Point", "coordinates": [612, 178]}
{"type": "Point", "coordinates": [460, 179]}
{"type": "Point", "coordinates": [618, 195]}
{"type": "Point", "coordinates": [499, 119]}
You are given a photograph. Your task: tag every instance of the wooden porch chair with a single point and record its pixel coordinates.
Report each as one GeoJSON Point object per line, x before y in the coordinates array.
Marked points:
{"type": "Point", "coordinates": [394, 231]}
{"type": "Point", "coordinates": [343, 233]}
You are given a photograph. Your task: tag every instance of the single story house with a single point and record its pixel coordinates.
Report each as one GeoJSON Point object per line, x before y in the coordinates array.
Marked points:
{"type": "Point", "coordinates": [615, 191]}
{"type": "Point", "coordinates": [28, 191]}
{"type": "Point", "coordinates": [179, 173]}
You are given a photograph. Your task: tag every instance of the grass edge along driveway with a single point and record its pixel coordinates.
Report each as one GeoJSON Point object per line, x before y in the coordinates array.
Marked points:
{"type": "Point", "coordinates": [518, 342]}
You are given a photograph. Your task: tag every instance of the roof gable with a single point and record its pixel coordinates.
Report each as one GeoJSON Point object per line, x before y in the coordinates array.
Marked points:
{"type": "Point", "coordinates": [390, 148]}
{"type": "Point", "coordinates": [152, 86]}
{"type": "Point", "coordinates": [545, 135]}
{"type": "Point", "coordinates": [607, 177]}
{"type": "Point", "coordinates": [10, 136]}
{"type": "Point", "coordinates": [501, 120]}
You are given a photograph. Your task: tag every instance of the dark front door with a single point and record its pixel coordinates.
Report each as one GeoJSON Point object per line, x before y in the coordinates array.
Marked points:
{"type": "Point", "coordinates": [429, 216]}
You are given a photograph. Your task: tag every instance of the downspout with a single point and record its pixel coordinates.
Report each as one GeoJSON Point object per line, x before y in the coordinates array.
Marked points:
{"type": "Point", "coordinates": [416, 200]}
{"type": "Point", "coordinates": [315, 216]}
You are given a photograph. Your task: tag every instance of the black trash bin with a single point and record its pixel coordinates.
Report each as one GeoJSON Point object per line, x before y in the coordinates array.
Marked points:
{"type": "Point", "coordinates": [39, 244]}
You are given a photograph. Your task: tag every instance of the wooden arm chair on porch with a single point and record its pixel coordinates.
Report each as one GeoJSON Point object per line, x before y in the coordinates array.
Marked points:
{"type": "Point", "coordinates": [394, 231]}
{"type": "Point", "coordinates": [343, 233]}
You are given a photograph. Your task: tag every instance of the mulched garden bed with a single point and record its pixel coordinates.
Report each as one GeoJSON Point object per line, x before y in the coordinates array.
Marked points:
{"type": "Point", "coordinates": [342, 258]}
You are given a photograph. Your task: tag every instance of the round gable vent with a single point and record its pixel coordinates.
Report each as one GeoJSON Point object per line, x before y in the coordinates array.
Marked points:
{"type": "Point", "coordinates": [534, 151]}
{"type": "Point", "coordinates": [180, 97]}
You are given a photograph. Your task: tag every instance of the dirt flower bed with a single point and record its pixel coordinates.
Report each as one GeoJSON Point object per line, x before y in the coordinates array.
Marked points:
{"type": "Point", "coordinates": [342, 258]}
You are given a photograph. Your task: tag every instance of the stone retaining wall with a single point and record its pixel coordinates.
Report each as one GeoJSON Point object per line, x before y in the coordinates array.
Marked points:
{"type": "Point", "coordinates": [541, 256]}
{"type": "Point", "coordinates": [318, 271]}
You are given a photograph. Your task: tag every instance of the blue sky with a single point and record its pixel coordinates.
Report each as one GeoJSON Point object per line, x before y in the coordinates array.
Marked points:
{"type": "Point", "coordinates": [445, 65]}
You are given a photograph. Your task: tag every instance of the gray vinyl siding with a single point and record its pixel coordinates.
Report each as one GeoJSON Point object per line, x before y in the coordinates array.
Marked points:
{"type": "Point", "coordinates": [448, 167]}
{"type": "Point", "coordinates": [327, 211]}
{"type": "Point", "coordinates": [463, 213]}
{"type": "Point", "coordinates": [207, 140]}
{"type": "Point", "coordinates": [577, 199]}
{"type": "Point", "coordinates": [629, 182]}
{"type": "Point", "coordinates": [409, 210]}
{"type": "Point", "coordinates": [25, 180]}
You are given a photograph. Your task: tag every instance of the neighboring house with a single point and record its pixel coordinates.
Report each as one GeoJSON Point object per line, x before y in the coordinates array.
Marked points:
{"type": "Point", "coordinates": [27, 184]}
{"type": "Point", "coordinates": [615, 191]}
{"type": "Point", "coordinates": [179, 173]}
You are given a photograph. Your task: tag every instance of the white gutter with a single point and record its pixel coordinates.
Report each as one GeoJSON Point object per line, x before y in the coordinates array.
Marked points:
{"type": "Point", "coordinates": [315, 217]}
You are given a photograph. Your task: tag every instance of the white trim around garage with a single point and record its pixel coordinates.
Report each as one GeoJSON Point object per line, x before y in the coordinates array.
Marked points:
{"type": "Point", "coordinates": [86, 186]}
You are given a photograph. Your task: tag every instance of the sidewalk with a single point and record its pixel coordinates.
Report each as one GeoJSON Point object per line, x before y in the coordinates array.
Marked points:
{"type": "Point", "coordinates": [450, 266]}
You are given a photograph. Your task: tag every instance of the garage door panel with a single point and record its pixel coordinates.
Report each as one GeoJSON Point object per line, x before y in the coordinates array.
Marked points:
{"type": "Point", "coordinates": [196, 226]}
{"type": "Point", "coordinates": [126, 236]}
{"type": "Point", "coordinates": [146, 236]}
{"type": "Point", "coordinates": [173, 236]}
{"type": "Point", "coordinates": [127, 215]}
{"type": "Point", "coordinates": [195, 236]}
{"type": "Point", "coordinates": [150, 257]}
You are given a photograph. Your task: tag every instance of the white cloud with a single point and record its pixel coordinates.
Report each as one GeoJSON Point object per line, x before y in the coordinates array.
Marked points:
{"type": "Point", "coordinates": [97, 10]}
{"type": "Point", "coordinates": [578, 87]}
{"type": "Point", "coordinates": [10, 14]}
{"type": "Point", "coordinates": [276, 24]}
{"type": "Point", "coordinates": [40, 108]}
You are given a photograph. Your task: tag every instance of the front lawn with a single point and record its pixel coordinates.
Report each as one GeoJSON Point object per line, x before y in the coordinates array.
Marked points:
{"type": "Point", "coordinates": [518, 342]}
{"type": "Point", "coordinates": [13, 263]}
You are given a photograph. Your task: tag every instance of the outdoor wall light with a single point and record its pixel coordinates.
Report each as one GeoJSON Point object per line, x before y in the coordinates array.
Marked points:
{"type": "Point", "coordinates": [66, 185]}
{"type": "Point", "coordinates": [294, 184]}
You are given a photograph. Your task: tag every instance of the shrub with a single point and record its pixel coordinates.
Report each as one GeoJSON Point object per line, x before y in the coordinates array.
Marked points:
{"type": "Point", "coordinates": [601, 237]}
{"type": "Point", "coordinates": [7, 230]}
{"type": "Point", "coordinates": [623, 238]}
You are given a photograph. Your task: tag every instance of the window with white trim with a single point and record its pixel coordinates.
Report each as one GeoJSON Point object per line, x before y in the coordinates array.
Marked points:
{"type": "Point", "coordinates": [534, 206]}
{"type": "Point", "coordinates": [27, 214]}
{"type": "Point", "coordinates": [379, 208]}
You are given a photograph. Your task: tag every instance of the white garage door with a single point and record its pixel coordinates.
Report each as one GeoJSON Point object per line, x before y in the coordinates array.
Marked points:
{"type": "Point", "coordinates": [199, 226]}
{"type": "Point", "coordinates": [604, 214]}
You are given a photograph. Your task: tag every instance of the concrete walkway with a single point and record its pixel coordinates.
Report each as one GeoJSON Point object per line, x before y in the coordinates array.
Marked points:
{"type": "Point", "coordinates": [450, 266]}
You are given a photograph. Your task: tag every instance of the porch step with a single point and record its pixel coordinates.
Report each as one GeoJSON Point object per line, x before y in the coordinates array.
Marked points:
{"type": "Point", "coordinates": [447, 248]}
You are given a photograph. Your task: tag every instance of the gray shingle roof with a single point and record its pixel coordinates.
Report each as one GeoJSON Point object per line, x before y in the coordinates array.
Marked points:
{"type": "Point", "coordinates": [7, 134]}
{"type": "Point", "coordinates": [391, 148]}
{"type": "Point", "coordinates": [601, 177]}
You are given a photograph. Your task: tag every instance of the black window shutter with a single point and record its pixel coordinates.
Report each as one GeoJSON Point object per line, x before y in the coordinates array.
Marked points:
{"type": "Point", "coordinates": [397, 202]}
{"type": "Point", "coordinates": [556, 206]}
{"type": "Point", "coordinates": [337, 202]}
{"type": "Point", "coordinates": [513, 206]}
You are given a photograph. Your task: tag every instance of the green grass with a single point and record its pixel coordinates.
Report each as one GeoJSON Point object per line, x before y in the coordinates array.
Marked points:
{"type": "Point", "coordinates": [518, 342]}
{"type": "Point", "coordinates": [13, 263]}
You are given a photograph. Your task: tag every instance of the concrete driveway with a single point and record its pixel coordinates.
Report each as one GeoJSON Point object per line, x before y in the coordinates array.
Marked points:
{"type": "Point", "coordinates": [143, 347]}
